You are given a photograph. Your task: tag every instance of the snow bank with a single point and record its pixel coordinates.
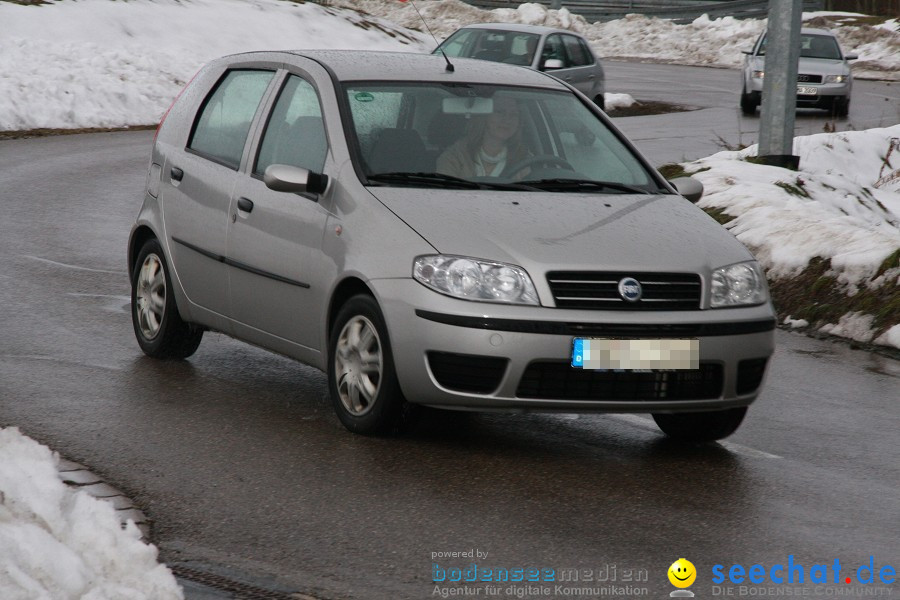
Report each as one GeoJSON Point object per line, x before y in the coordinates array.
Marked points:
{"type": "Point", "coordinates": [58, 544]}
{"type": "Point", "coordinates": [96, 63]}
{"type": "Point", "coordinates": [843, 205]}
{"type": "Point", "coordinates": [830, 208]}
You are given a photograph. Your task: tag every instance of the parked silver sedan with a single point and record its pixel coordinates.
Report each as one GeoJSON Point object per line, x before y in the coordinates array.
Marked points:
{"type": "Point", "coordinates": [560, 52]}
{"type": "Point", "coordinates": [474, 236]}
{"type": "Point", "coordinates": [824, 78]}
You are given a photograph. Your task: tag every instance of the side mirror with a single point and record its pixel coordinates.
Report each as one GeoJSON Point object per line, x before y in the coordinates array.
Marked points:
{"type": "Point", "coordinates": [747, 51]}
{"type": "Point", "coordinates": [688, 187]}
{"type": "Point", "coordinates": [287, 178]}
{"type": "Point", "coordinates": [551, 64]}
{"type": "Point", "coordinates": [851, 56]}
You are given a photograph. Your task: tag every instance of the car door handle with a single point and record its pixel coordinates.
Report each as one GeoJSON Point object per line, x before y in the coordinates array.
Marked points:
{"type": "Point", "coordinates": [177, 173]}
{"type": "Point", "coordinates": [245, 204]}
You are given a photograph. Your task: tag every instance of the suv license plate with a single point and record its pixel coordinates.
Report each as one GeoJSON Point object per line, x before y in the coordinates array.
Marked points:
{"type": "Point", "coordinates": [805, 90]}
{"type": "Point", "coordinates": [632, 355]}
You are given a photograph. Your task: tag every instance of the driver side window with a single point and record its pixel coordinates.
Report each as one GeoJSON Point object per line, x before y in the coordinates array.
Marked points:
{"type": "Point", "coordinates": [555, 50]}
{"type": "Point", "coordinates": [295, 133]}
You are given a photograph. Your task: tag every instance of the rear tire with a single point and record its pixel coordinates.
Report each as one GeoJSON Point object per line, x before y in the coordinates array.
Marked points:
{"type": "Point", "coordinates": [361, 376]}
{"type": "Point", "coordinates": [159, 329]}
{"type": "Point", "coordinates": [600, 101]}
{"type": "Point", "coordinates": [700, 426]}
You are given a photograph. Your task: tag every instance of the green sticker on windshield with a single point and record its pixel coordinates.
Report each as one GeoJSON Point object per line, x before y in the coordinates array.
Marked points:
{"type": "Point", "coordinates": [364, 97]}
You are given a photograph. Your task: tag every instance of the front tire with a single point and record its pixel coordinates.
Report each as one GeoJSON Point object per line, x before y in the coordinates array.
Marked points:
{"type": "Point", "coordinates": [748, 103]}
{"type": "Point", "coordinates": [159, 329]}
{"type": "Point", "coordinates": [841, 106]}
{"type": "Point", "coordinates": [361, 376]}
{"type": "Point", "coordinates": [701, 426]}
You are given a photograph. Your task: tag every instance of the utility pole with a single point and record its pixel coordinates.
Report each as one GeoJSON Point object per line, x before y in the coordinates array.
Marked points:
{"type": "Point", "coordinates": [779, 97]}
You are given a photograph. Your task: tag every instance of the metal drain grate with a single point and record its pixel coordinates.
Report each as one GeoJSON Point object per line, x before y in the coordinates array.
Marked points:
{"type": "Point", "coordinates": [241, 591]}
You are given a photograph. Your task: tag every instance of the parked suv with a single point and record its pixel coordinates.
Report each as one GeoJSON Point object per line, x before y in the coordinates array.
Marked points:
{"type": "Point", "coordinates": [824, 79]}
{"type": "Point", "coordinates": [562, 53]}
{"type": "Point", "coordinates": [352, 210]}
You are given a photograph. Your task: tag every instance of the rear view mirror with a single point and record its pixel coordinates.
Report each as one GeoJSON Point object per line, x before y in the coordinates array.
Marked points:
{"type": "Point", "coordinates": [688, 187]}
{"type": "Point", "coordinates": [470, 105]}
{"type": "Point", "coordinates": [851, 56]}
{"type": "Point", "coordinates": [286, 178]}
{"type": "Point", "coordinates": [553, 63]}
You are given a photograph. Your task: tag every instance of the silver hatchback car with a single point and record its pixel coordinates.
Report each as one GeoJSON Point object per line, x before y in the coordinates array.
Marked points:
{"type": "Point", "coordinates": [562, 53]}
{"type": "Point", "coordinates": [475, 236]}
{"type": "Point", "coordinates": [824, 78]}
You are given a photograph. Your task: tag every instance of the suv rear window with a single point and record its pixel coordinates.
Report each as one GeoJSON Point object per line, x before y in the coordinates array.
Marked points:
{"type": "Point", "coordinates": [223, 122]}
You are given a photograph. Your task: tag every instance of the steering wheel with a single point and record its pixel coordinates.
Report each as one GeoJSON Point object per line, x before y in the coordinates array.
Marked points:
{"type": "Point", "coordinates": [541, 159]}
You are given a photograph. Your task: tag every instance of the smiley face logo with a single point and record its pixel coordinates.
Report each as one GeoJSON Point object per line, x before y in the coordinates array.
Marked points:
{"type": "Point", "coordinates": [682, 573]}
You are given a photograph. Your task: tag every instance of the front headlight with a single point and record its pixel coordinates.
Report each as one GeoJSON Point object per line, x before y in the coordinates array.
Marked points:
{"type": "Point", "coordinates": [738, 285]}
{"type": "Point", "coordinates": [473, 279]}
{"type": "Point", "coordinates": [759, 74]}
{"type": "Point", "coordinates": [836, 78]}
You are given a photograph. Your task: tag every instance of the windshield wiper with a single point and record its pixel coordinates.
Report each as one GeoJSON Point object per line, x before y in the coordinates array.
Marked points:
{"type": "Point", "coordinates": [444, 181]}
{"type": "Point", "coordinates": [429, 179]}
{"type": "Point", "coordinates": [564, 184]}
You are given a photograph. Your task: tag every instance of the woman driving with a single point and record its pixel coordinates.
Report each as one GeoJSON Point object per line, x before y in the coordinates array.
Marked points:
{"type": "Point", "coordinates": [491, 144]}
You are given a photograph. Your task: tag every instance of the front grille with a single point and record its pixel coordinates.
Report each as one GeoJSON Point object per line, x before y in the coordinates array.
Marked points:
{"type": "Point", "coordinates": [804, 78]}
{"type": "Point", "coordinates": [560, 381]}
{"type": "Point", "coordinates": [750, 375]}
{"type": "Point", "coordinates": [467, 372]}
{"type": "Point", "coordinates": [600, 290]}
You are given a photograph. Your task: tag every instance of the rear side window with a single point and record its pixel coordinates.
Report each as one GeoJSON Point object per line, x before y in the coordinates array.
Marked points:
{"type": "Point", "coordinates": [295, 134]}
{"type": "Point", "coordinates": [223, 122]}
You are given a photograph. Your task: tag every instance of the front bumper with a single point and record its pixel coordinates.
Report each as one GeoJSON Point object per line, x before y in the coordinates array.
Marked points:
{"type": "Point", "coordinates": [528, 342]}
{"type": "Point", "coordinates": [824, 96]}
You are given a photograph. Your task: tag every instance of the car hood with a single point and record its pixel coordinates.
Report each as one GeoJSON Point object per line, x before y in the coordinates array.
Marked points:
{"type": "Point", "coordinates": [816, 66]}
{"type": "Point", "coordinates": [558, 231]}
{"type": "Point", "coordinates": [822, 66]}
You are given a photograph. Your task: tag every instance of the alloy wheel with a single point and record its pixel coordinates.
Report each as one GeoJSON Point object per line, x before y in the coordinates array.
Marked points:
{"type": "Point", "coordinates": [358, 365]}
{"type": "Point", "coordinates": [151, 296]}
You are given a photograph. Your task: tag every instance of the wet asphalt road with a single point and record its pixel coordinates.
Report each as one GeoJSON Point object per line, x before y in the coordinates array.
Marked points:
{"type": "Point", "coordinates": [237, 457]}
{"type": "Point", "coordinates": [716, 123]}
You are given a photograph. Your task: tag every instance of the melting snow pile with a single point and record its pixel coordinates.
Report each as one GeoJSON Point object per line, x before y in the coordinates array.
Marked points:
{"type": "Point", "coordinates": [59, 544]}
{"type": "Point", "coordinates": [842, 206]}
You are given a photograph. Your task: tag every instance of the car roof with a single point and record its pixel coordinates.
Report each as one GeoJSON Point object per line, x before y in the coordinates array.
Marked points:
{"type": "Point", "coordinates": [539, 29]}
{"type": "Point", "coordinates": [369, 65]}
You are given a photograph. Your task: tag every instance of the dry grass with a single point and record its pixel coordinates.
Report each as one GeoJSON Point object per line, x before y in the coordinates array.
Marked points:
{"type": "Point", "coordinates": [33, 133]}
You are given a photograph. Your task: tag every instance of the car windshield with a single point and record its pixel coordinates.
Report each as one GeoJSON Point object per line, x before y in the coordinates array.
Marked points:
{"type": "Point", "coordinates": [813, 46]}
{"type": "Point", "coordinates": [469, 136]}
{"type": "Point", "coordinates": [512, 47]}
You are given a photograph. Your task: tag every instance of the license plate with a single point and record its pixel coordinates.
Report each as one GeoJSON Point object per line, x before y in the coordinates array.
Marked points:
{"type": "Point", "coordinates": [635, 355]}
{"type": "Point", "coordinates": [805, 90]}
